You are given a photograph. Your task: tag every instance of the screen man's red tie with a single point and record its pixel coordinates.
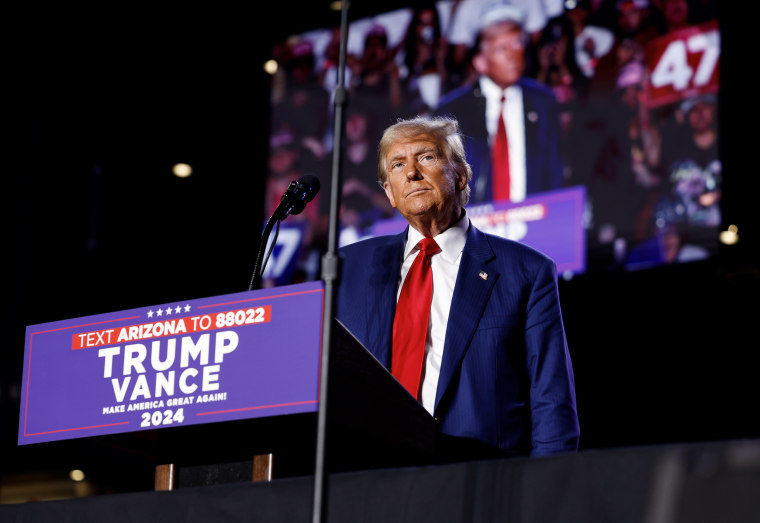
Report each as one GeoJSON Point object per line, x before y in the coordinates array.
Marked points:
{"type": "Point", "coordinates": [411, 320]}
{"type": "Point", "coordinates": [500, 160]}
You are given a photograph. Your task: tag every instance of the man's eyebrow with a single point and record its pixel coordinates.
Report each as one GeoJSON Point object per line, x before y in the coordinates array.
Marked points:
{"type": "Point", "coordinates": [420, 150]}
{"type": "Point", "coordinates": [396, 157]}
{"type": "Point", "coordinates": [429, 149]}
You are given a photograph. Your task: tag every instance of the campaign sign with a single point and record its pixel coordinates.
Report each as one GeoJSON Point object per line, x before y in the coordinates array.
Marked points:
{"type": "Point", "coordinates": [550, 222]}
{"type": "Point", "coordinates": [230, 357]}
{"type": "Point", "coordinates": [683, 64]}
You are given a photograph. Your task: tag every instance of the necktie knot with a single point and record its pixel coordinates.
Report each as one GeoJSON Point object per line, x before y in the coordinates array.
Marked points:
{"type": "Point", "coordinates": [428, 247]}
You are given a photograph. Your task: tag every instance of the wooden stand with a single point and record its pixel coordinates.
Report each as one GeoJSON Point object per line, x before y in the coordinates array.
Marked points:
{"type": "Point", "coordinates": [165, 478]}
{"type": "Point", "coordinates": [262, 467]}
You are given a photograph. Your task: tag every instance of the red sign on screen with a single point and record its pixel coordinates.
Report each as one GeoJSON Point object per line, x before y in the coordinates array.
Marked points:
{"type": "Point", "coordinates": [683, 64]}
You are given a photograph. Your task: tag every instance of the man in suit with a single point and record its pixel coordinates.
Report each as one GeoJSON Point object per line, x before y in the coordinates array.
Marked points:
{"type": "Point", "coordinates": [528, 110]}
{"type": "Point", "coordinates": [493, 364]}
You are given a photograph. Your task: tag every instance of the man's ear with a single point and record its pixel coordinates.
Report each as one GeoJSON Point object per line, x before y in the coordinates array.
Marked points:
{"type": "Point", "coordinates": [460, 177]}
{"type": "Point", "coordinates": [389, 194]}
{"type": "Point", "coordinates": [479, 63]}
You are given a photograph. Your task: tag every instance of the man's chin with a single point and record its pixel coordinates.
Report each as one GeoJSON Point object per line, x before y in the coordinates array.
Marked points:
{"type": "Point", "coordinates": [416, 212]}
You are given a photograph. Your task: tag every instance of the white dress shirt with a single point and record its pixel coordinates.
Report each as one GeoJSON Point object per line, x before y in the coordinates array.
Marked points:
{"type": "Point", "coordinates": [514, 121]}
{"type": "Point", "coordinates": [445, 266]}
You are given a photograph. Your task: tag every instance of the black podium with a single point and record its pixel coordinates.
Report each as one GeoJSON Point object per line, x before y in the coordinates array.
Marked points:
{"type": "Point", "coordinates": [373, 422]}
{"type": "Point", "coordinates": [264, 369]}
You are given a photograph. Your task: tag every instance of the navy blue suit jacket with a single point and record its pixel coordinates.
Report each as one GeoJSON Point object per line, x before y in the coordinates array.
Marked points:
{"type": "Point", "coordinates": [543, 161]}
{"type": "Point", "coordinates": [506, 377]}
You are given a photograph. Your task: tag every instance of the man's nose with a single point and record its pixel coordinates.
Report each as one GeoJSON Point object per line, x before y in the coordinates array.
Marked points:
{"type": "Point", "coordinates": [413, 171]}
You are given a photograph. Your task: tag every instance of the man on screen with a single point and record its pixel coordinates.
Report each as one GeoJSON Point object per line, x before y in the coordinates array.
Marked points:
{"type": "Point", "coordinates": [468, 322]}
{"type": "Point", "coordinates": [510, 123]}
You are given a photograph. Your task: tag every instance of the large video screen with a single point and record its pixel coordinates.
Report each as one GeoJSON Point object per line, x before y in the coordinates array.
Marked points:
{"type": "Point", "coordinates": [612, 126]}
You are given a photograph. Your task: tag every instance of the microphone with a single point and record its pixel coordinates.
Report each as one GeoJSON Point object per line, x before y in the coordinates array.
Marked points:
{"type": "Point", "coordinates": [294, 201]}
{"type": "Point", "coordinates": [297, 195]}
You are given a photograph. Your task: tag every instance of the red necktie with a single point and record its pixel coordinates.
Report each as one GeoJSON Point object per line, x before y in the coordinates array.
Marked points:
{"type": "Point", "coordinates": [500, 160]}
{"type": "Point", "coordinates": [411, 321]}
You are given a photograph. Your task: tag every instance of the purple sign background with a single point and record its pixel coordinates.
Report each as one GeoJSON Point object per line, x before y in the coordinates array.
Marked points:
{"type": "Point", "coordinates": [551, 222]}
{"type": "Point", "coordinates": [236, 356]}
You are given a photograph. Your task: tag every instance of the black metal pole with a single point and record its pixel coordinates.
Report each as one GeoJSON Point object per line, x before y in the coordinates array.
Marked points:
{"type": "Point", "coordinates": [330, 276]}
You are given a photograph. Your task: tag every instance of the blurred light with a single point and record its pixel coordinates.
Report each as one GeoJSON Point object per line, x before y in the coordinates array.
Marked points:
{"type": "Point", "coordinates": [76, 475]}
{"type": "Point", "coordinates": [730, 236]}
{"type": "Point", "coordinates": [182, 170]}
{"type": "Point", "coordinates": [270, 66]}
{"type": "Point", "coordinates": [337, 5]}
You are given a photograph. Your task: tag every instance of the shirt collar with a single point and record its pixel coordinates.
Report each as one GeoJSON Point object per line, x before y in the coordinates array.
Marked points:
{"type": "Point", "coordinates": [451, 241]}
{"type": "Point", "coordinates": [491, 90]}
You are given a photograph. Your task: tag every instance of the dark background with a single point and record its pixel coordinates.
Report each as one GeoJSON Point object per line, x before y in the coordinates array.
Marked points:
{"type": "Point", "coordinates": [103, 102]}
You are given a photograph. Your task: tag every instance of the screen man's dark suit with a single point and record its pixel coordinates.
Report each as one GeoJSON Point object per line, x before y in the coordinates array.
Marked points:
{"type": "Point", "coordinates": [506, 378]}
{"type": "Point", "coordinates": [543, 160]}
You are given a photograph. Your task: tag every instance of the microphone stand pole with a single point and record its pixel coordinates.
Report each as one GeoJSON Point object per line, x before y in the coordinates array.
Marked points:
{"type": "Point", "coordinates": [330, 275]}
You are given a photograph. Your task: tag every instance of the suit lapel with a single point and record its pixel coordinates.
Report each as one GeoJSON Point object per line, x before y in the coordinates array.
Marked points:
{"type": "Point", "coordinates": [479, 150]}
{"type": "Point", "coordinates": [532, 124]}
{"type": "Point", "coordinates": [475, 281]}
{"type": "Point", "coordinates": [381, 295]}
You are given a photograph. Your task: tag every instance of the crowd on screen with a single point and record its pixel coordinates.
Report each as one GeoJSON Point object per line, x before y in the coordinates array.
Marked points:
{"type": "Point", "coordinates": [651, 170]}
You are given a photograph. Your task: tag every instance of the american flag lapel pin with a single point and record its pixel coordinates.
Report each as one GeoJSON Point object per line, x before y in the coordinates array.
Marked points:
{"type": "Point", "coordinates": [483, 275]}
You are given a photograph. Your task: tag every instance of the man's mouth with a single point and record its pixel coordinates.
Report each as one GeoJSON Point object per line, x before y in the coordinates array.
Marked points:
{"type": "Point", "coordinates": [416, 190]}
